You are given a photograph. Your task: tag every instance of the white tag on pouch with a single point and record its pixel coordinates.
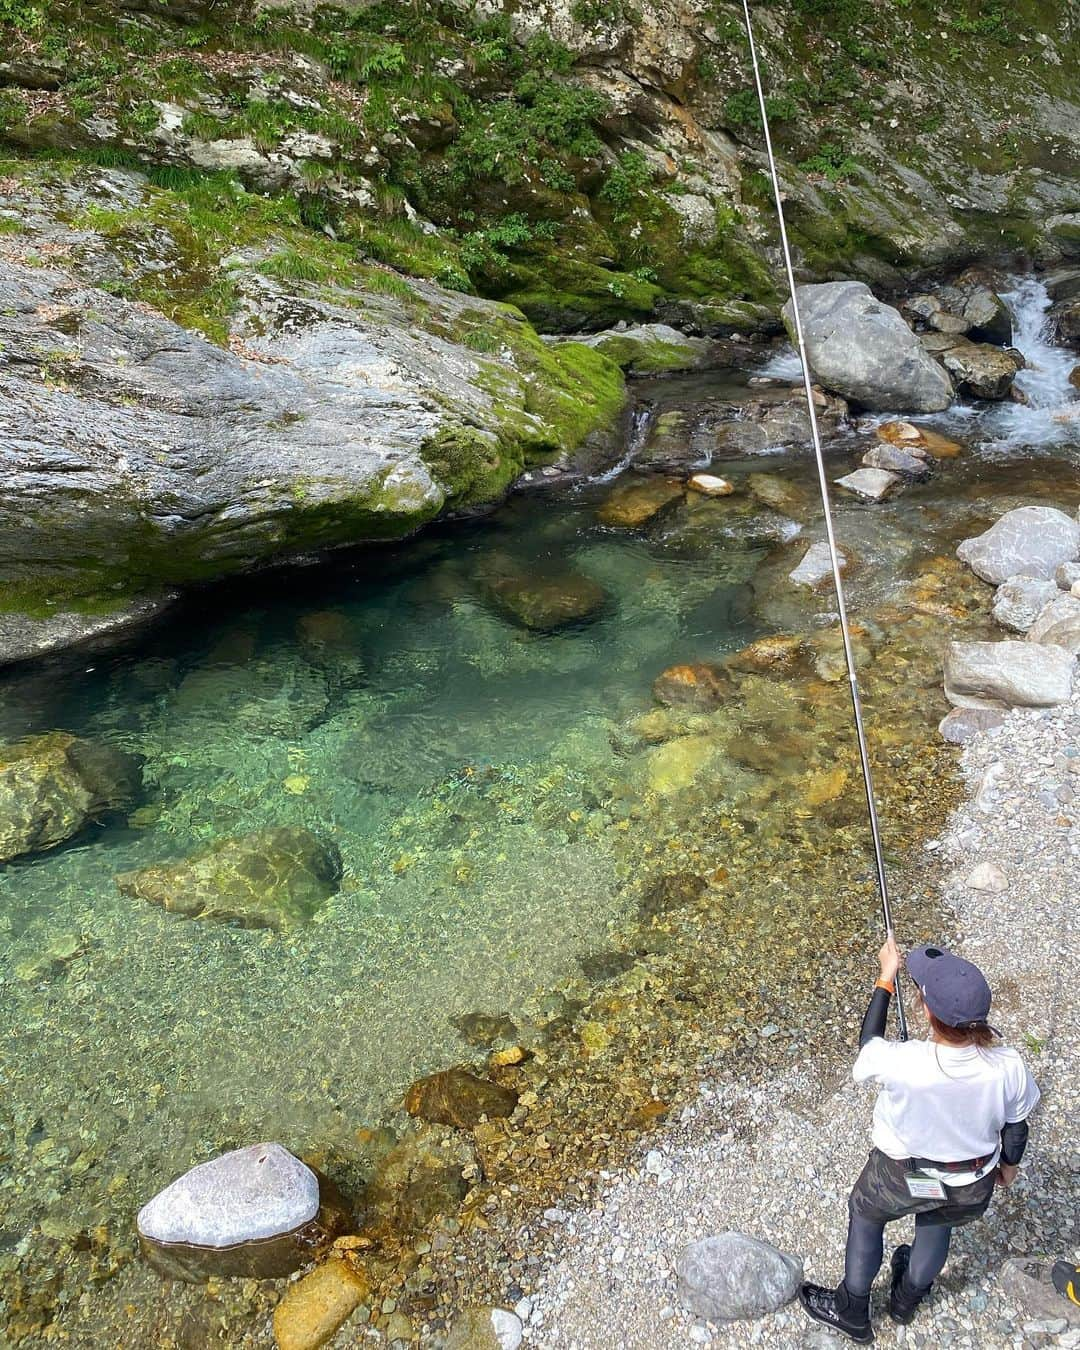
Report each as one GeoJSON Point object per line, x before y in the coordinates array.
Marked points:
{"type": "Point", "coordinates": [922, 1187]}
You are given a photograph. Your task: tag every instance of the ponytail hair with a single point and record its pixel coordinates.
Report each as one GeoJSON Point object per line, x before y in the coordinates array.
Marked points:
{"type": "Point", "coordinates": [977, 1034]}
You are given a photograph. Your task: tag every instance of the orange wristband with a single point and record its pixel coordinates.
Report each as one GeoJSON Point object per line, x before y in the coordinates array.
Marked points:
{"type": "Point", "coordinates": [886, 985]}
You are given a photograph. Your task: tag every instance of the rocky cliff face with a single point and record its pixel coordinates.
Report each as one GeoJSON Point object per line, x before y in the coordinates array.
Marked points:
{"type": "Point", "coordinates": [277, 272]}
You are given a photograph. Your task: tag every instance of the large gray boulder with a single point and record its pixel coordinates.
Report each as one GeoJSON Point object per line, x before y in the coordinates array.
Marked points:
{"type": "Point", "coordinates": [240, 1214]}
{"type": "Point", "coordinates": [1017, 602]}
{"type": "Point", "coordinates": [139, 457]}
{"type": "Point", "coordinates": [1007, 674]}
{"type": "Point", "coordinates": [863, 349]}
{"type": "Point", "coordinates": [1031, 541]}
{"type": "Point", "coordinates": [730, 1276]}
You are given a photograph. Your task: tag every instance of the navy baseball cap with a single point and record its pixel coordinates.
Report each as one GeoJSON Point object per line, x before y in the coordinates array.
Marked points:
{"type": "Point", "coordinates": [953, 989]}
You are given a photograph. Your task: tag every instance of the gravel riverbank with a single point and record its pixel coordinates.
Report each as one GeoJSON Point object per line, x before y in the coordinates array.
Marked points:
{"type": "Point", "coordinates": [776, 1157]}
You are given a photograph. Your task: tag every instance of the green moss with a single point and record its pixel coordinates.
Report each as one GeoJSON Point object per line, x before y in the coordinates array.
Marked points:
{"type": "Point", "coordinates": [648, 356]}
{"type": "Point", "coordinates": [474, 466]}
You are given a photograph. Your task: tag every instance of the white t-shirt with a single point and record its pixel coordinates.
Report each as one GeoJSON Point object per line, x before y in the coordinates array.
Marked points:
{"type": "Point", "coordinates": [940, 1102]}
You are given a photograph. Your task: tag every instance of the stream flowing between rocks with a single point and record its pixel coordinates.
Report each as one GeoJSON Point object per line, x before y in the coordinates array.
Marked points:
{"type": "Point", "coordinates": [531, 848]}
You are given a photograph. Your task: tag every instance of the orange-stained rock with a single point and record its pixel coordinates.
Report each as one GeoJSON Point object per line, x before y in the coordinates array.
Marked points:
{"type": "Point", "coordinates": [695, 684]}
{"type": "Point", "coordinates": [907, 435]}
{"type": "Point", "coordinates": [778, 651]}
{"type": "Point", "coordinates": [457, 1097]}
{"type": "Point", "coordinates": [1074, 377]}
{"type": "Point", "coordinates": [314, 1307]}
{"type": "Point", "coordinates": [711, 485]}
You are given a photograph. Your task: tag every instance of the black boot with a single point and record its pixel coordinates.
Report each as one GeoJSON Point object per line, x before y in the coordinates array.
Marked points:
{"type": "Point", "coordinates": [904, 1297]}
{"type": "Point", "coordinates": [836, 1308]}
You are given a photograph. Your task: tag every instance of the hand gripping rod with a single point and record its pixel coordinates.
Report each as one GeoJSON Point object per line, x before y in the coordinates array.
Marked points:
{"type": "Point", "coordinates": [823, 484]}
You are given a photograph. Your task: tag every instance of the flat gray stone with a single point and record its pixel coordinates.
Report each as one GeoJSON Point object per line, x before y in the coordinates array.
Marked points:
{"type": "Point", "coordinates": [894, 460]}
{"type": "Point", "coordinates": [731, 1276]}
{"type": "Point", "coordinates": [485, 1329]}
{"type": "Point", "coordinates": [964, 724]}
{"type": "Point", "coordinates": [816, 565]}
{"type": "Point", "coordinates": [1018, 601]}
{"type": "Point", "coordinates": [248, 1195]}
{"type": "Point", "coordinates": [862, 348]}
{"type": "Point", "coordinates": [871, 484]}
{"type": "Point", "coordinates": [1058, 622]}
{"type": "Point", "coordinates": [1026, 1280]}
{"type": "Point", "coordinates": [1007, 674]}
{"type": "Point", "coordinates": [1032, 541]}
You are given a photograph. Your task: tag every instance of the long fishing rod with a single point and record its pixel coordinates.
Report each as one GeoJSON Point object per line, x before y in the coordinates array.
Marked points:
{"type": "Point", "coordinates": [823, 484]}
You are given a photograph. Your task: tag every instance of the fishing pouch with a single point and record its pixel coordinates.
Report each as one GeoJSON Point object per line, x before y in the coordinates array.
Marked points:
{"type": "Point", "coordinates": [881, 1194]}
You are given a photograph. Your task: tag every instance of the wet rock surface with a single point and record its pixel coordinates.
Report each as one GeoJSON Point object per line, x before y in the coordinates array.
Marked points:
{"type": "Point", "coordinates": [268, 879]}
{"type": "Point", "coordinates": [241, 1213]}
{"type": "Point", "coordinates": [54, 786]}
{"type": "Point", "coordinates": [459, 1098]}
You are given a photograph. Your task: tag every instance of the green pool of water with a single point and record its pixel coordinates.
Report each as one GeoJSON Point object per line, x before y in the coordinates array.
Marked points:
{"type": "Point", "coordinates": [476, 776]}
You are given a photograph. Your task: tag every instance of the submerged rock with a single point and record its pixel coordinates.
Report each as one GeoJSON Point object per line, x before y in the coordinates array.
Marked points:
{"type": "Point", "coordinates": [485, 1329]}
{"type": "Point", "coordinates": [52, 786]}
{"type": "Point", "coordinates": [710, 485]}
{"type": "Point", "coordinates": [778, 652]}
{"type": "Point", "coordinates": [871, 484]}
{"type": "Point", "coordinates": [458, 1098]}
{"type": "Point", "coordinates": [632, 505]}
{"type": "Point", "coordinates": [695, 684]}
{"type": "Point", "coordinates": [420, 1177]}
{"type": "Point", "coordinates": [1030, 541]}
{"type": "Point", "coordinates": [816, 565]}
{"type": "Point", "coordinates": [782, 494]}
{"type": "Point", "coordinates": [544, 603]}
{"type": "Point", "coordinates": [863, 349]}
{"type": "Point", "coordinates": [731, 1276]}
{"type": "Point", "coordinates": [314, 1307]}
{"type": "Point", "coordinates": [269, 879]}
{"type": "Point", "coordinates": [1007, 674]}
{"type": "Point", "coordinates": [244, 1213]}
{"type": "Point", "coordinates": [1018, 601]}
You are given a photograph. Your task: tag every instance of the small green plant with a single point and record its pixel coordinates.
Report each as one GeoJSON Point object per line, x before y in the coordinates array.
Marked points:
{"type": "Point", "coordinates": [600, 13]}
{"type": "Point", "coordinates": [290, 264]}
{"type": "Point", "coordinates": [831, 162]}
{"type": "Point", "coordinates": [1034, 1044]}
{"type": "Point", "coordinates": [627, 180]}
{"type": "Point", "coordinates": [21, 14]}
{"type": "Point", "coordinates": [743, 110]}
{"type": "Point", "coordinates": [484, 340]}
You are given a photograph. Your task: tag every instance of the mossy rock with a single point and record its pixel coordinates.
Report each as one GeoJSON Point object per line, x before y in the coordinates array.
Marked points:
{"type": "Point", "coordinates": [53, 786]}
{"type": "Point", "coordinates": [273, 878]}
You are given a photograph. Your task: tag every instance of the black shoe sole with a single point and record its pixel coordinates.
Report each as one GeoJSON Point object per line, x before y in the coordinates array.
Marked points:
{"type": "Point", "coordinates": [860, 1338]}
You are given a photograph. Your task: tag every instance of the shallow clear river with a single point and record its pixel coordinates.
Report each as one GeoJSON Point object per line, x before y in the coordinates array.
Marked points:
{"type": "Point", "coordinates": [478, 778]}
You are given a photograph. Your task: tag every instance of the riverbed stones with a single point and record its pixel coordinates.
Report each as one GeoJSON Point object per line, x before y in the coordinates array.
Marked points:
{"type": "Point", "coordinates": [242, 1214]}
{"type": "Point", "coordinates": [459, 1098]}
{"type": "Point", "coordinates": [53, 785]}
{"type": "Point", "coordinates": [1067, 575]}
{"type": "Point", "coordinates": [731, 1276]}
{"type": "Point", "coordinates": [543, 604]}
{"type": "Point", "coordinates": [313, 1308]}
{"type": "Point", "coordinates": [1030, 541]}
{"type": "Point", "coordinates": [694, 684]}
{"type": "Point", "coordinates": [964, 724]}
{"type": "Point", "coordinates": [421, 1177]}
{"type": "Point", "coordinates": [862, 348]}
{"type": "Point", "coordinates": [816, 566]}
{"type": "Point", "coordinates": [911, 438]}
{"type": "Point", "coordinates": [873, 485]}
{"type": "Point", "coordinates": [988, 876]}
{"type": "Point", "coordinates": [1027, 1280]}
{"type": "Point", "coordinates": [632, 505]}
{"type": "Point", "coordinates": [782, 494]}
{"type": "Point", "coordinates": [274, 878]}
{"type": "Point", "coordinates": [980, 369]}
{"type": "Point", "coordinates": [913, 464]}
{"type": "Point", "coordinates": [1007, 674]}
{"type": "Point", "coordinates": [1058, 622]}
{"type": "Point", "coordinates": [485, 1329]}
{"type": "Point", "coordinates": [1018, 601]}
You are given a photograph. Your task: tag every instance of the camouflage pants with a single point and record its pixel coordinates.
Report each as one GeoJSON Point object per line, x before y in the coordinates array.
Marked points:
{"type": "Point", "coordinates": [881, 1195]}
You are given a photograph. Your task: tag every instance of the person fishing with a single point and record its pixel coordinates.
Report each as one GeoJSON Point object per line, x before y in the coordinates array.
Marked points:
{"type": "Point", "coordinates": [950, 1124]}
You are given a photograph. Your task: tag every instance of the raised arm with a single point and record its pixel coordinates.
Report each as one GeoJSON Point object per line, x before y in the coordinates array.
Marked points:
{"type": "Point", "coordinates": [877, 1010]}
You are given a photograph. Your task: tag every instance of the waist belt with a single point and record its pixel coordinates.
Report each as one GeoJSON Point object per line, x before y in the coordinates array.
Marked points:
{"type": "Point", "coordinates": [965, 1165]}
